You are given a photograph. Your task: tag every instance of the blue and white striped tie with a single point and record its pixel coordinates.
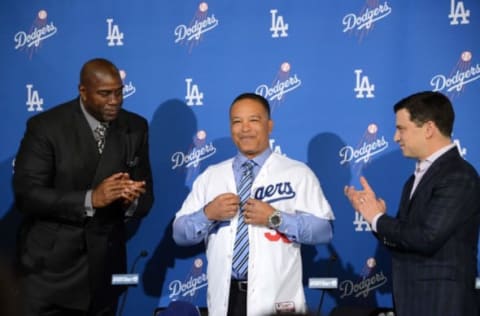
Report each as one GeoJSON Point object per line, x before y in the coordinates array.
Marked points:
{"type": "Point", "coordinates": [240, 248]}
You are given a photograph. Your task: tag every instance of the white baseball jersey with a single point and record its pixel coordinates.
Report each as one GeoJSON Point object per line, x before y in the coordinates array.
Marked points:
{"type": "Point", "coordinates": [275, 265]}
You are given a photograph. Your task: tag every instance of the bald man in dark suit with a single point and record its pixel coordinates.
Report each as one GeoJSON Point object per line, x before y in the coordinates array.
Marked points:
{"type": "Point", "coordinates": [76, 189]}
{"type": "Point", "coordinates": [434, 237]}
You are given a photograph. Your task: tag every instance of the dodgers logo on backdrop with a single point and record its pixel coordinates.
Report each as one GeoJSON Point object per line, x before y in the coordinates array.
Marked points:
{"type": "Point", "coordinates": [363, 86]}
{"type": "Point", "coordinates": [278, 28]}
{"type": "Point", "coordinates": [34, 102]}
{"type": "Point", "coordinates": [194, 281]}
{"type": "Point", "coordinates": [363, 22]}
{"type": "Point", "coordinates": [368, 281]}
{"type": "Point", "coordinates": [114, 36]}
{"type": "Point", "coordinates": [128, 88]}
{"type": "Point", "coordinates": [39, 32]}
{"type": "Point", "coordinates": [457, 11]}
{"type": "Point", "coordinates": [283, 83]}
{"type": "Point", "coordinates": [462, 74]}
{"type": "Point", "coordinates": [370, 146]}
{"type": "Point", "coordinates": [358, 157]}
{"type": "Point", "coordinates": [201, 23]}
{"type": "Point", "coordinates": [200, 151]}
{"type": "Point", "coordinates": [193, 95]}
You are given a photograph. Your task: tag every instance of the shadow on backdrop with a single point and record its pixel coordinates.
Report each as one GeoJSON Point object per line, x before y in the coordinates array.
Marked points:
{"type": "Point", "coordinates": [171, 130]}
{"type": "Point", "coordinates": [386, 175]}
{"type": "Point", "coordinates": [324, 161]}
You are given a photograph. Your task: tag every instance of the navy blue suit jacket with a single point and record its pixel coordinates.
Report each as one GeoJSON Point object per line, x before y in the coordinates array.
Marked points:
{"type": "Point", "coordinates": [434, 240]}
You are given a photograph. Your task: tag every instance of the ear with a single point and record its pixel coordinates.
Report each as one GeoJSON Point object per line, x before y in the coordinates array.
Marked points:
{"type": "Point", "coordinates": [270, 126]}
{"type": "Point", "coordinates": [82, 91]}
{"type": "Point", "coordinates": [430, 129]}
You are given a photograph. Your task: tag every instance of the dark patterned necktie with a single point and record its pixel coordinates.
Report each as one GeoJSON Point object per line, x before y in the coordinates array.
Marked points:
{"type": "Point", "coordinates": [240, 248]}
{"type": "Point", "coordinates": [99, 133]}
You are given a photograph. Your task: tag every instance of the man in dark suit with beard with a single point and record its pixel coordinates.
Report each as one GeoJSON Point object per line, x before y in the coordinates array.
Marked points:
{"type": "Point", "coordinates": [76, 187]}
{"type": "Point", "coordinates": [434, 237]}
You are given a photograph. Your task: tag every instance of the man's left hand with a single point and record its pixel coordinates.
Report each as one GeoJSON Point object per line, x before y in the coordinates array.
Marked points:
{"type": "Point", "coordinates": [256, 212]}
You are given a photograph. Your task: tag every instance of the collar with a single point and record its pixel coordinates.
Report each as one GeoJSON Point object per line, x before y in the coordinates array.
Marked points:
{"type": "Point", "coordinates": [92, 122]}
{"type": "Point", "coordinates": [259, 160]}
{"type": "Point", "coordinates": [422, 165]}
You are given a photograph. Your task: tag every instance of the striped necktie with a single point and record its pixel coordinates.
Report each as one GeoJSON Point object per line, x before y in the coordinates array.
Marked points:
{"type": "Point", "coordinates": [240, 248]}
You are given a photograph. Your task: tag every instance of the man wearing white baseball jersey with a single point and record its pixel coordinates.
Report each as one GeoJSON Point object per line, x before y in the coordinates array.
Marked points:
{"type": "Point", "coordinates": [254, 211]}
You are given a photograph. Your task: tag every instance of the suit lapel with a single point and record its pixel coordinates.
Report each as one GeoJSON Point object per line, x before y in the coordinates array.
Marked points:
{"type": "Point", "coordinates": [87, 147]}
{"type": "Point", "coordinates": [434, 169]}
{"type": "Point", "coordinates": [405, 199]}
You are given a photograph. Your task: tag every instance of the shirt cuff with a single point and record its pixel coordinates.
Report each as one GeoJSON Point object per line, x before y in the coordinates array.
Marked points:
{"type": "Point", "coordinates": [375, 220]}
{"type": "Point", "coordinates": [89, 210]}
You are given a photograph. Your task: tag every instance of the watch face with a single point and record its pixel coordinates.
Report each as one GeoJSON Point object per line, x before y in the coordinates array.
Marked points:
{"type": "Point", "coordinates": [275, 219]}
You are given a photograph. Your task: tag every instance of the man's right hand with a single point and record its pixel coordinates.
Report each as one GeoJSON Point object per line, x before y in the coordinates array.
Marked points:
{"type": "Point", "coordinates": [110, 189]}
{"type": "Point", "coordinates": [223, 207]}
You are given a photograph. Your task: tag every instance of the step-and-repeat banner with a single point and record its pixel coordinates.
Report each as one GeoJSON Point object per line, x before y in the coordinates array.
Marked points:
{"type": "Point", "coordinates": [332, 71]}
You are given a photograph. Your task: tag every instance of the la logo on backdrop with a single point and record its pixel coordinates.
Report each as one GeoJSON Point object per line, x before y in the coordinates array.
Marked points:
{"type": "Point", "coordinates": [31, 40]}
{"type": "Point", "coordinates": [201, 23]}
{"type": "Point", "coordinates": [278, 28]}
{"type": "Point", "coordinates": [458, 11]}
{"type": "Point", "coordinates": [34, 102]}
{"type": "Point", "coordinates": [114, 36]}
{"type": "Point", "coordinates": [193, 96]}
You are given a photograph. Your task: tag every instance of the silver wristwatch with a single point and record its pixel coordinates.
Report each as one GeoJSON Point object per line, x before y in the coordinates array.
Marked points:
{"type": "Point", "coordinates": [275, 220]}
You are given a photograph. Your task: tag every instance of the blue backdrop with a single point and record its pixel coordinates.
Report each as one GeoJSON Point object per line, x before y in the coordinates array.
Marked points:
{"type": "Point", "coordinates": [332, 71]}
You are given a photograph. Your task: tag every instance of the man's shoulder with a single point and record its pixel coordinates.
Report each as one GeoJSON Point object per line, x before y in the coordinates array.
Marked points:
{"type": "Point", "coordinates": [453, 162]}
{"type": "Point", "coordinates": [220, 166]}
{"type": "Point", "coordinates": [284, 162]}
{"type": "Point", "coordinates": [214, 171]}
{"type": "Point", "coordinates": [56, 112]}
{"type": "Point", "coordinates": [132, 118]}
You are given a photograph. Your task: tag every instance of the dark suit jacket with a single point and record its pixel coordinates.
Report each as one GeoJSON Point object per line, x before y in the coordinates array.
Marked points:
{"type": "Point", "coordinates": [66, 257]}
{"type": "Point", "coordinates": [434, 241]}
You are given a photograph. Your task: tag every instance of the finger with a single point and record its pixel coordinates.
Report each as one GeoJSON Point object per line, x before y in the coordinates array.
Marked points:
{"type": "Point", "coordinates": [125, 176]}
{"type": "Point", "coordinates": [383, 204]}
{"type": "Point", "coordinates": [115, 176]}
{"type": "Point", "coordinates": [352, 195]}
{"type": "Point", "coordinates": [365, 185]}
{"type": "Point", "coordinates": [349, 190]}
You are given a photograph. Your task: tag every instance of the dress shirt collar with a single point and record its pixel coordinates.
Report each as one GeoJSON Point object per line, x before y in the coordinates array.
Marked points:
{"type": "Point", "coordinates": [92, 122]}
{"type": "Point", "coordinates": [259, 160]}
{"type": "Point", "coordinates": [421, 166]}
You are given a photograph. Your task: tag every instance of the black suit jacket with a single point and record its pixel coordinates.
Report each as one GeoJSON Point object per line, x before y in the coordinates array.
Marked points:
{"type": "Point", "coordinates": [434, 240]}
{"type": "Point", "coordinates": [66, 257]}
